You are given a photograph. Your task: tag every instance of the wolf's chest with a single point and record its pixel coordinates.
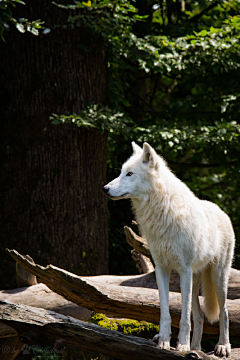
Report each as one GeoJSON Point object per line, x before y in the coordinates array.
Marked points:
{"type": "Point", "coordinates": [166, 253]}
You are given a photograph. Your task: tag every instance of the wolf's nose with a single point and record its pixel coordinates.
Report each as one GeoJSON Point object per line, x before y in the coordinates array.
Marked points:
{"type": "Point", "coordinates": [105, 189]}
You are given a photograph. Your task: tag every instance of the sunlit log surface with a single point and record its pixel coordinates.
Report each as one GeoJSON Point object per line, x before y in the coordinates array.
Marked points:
{"type": "Point", "coordinates": [36, 326]}
{"type": "Point", "coordinates": [125, 300]}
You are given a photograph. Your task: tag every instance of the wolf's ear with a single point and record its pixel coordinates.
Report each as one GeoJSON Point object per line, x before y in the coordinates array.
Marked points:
{"type": "Point", "coordinates": [149, 155]}
{"type": "Point", "coordinates": [136, 149]}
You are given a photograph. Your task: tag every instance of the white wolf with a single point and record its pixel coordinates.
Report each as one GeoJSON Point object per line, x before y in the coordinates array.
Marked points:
{"type": "Point", "coordinates": [192, 236]}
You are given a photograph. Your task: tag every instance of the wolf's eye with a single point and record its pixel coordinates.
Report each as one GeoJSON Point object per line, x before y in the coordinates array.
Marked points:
{"type": "Point", "coordinates": [129, 173]}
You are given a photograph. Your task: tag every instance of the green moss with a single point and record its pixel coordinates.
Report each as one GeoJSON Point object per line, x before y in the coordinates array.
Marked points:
{"type": "Point", "coordinates": [103, 321]}
{"type": "Point", "coordinates": [138, 328]}
{"type": "Point", "coordinates": [131, 327]}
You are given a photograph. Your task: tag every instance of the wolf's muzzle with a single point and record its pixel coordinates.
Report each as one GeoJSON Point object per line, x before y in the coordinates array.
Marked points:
{"type": "Point", "coordinates": [105, 189]}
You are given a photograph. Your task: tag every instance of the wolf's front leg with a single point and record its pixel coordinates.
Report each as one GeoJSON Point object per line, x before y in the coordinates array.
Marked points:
{"type": "Point", "coordinates": [163, 339]}
{"type": "Point", "coordinates": [185, 322]}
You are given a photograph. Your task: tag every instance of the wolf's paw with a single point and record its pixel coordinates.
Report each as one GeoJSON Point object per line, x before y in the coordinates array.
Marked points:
{"type": "Point", "coordinates": [161, 344]}
{"type": "Point", "coordinates": [183, 347]}
{"type": "Point", "coordinates": [222, 350]}
{"type": "Point", "coordinates": [156, 338]}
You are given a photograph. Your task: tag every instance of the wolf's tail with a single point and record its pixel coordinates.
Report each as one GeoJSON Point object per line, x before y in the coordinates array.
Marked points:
{"type": "Point", "coordinates": [211, 306]}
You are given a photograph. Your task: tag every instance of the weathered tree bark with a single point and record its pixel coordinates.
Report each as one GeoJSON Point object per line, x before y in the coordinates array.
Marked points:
{"type": "Point", "coordinates": [41, 296]}
{"type": "Point", "coordinates": [23, 277]}
{"type": "Point", "coordinates": [51, 175]}
{"type": "Point", "coordinates": [35, 325]}
{"type": "Point", "coordinates": [143, 263]}
{"type": "Point", "coordinates": [137, 242]}
{"type": "Point", "coordinates": [99, 294]}
{"type": "Point", "coordinates": [140, 244]}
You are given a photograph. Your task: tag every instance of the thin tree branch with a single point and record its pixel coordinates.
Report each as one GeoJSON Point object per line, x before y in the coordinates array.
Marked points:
{"type": "Point", "coordinates": [199, 15]}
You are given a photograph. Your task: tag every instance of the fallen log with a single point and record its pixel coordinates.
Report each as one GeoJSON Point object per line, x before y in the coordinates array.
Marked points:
{"type": "Point", "coordinates": [38, 296]}
{"type": "Point", "coordinates": [41, 296]}
{"type": "Point", "coordinates": [131, 302]}
{"type": "Point", "coordinates": [36, 326]}
{"type": "Point", "coordinates": [140, 244]}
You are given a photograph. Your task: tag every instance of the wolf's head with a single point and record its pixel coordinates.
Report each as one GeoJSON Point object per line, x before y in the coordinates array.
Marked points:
{"type": "Point", "coordinates": [137, 172]}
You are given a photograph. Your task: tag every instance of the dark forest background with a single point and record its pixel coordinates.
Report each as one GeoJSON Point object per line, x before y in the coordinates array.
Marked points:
{"type": "Point", "coordinates": [79, 82]}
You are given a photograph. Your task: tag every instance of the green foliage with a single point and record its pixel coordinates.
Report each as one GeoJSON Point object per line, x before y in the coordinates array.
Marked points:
{"type": "Point", "coordinates": [130, 327]}
{"type": "Point", "coordinates": [100, 117]}
{"type": "Point", "coordinates": [21, 24]}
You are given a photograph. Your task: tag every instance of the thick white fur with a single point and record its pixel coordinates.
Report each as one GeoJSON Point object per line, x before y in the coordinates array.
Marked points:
{"type": "Point", "coordinates": [192, 236]}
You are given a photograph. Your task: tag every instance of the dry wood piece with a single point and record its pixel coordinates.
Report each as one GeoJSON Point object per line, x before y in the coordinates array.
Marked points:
{"type": "Point", "coordinates": [41, 296]}
{"type": "Point", "coordinates": [97, 294]}
{"type": "Point", "coordinates": [23, 277]}
{"type": "Point", "coordinates": [137, 242]}
{"type": "Point", "coordinates": [143, 263]}
{"type": "Point", "coordinates": [234, 284]}
{"type": "Point", "coordinates": [140, 244]}
{"type": "Point", "coordinates": [36, 325]}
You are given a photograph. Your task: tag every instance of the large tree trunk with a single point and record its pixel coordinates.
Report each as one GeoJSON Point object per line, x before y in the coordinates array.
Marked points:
{"type": "Point", "coordinates": [51, 175]}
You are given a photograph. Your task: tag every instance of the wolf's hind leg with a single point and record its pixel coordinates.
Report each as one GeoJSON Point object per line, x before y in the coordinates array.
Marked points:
{"type": "Point", "coordinates": [198, 317]}
{"type": "Point", "coordinates": [220, 280]}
